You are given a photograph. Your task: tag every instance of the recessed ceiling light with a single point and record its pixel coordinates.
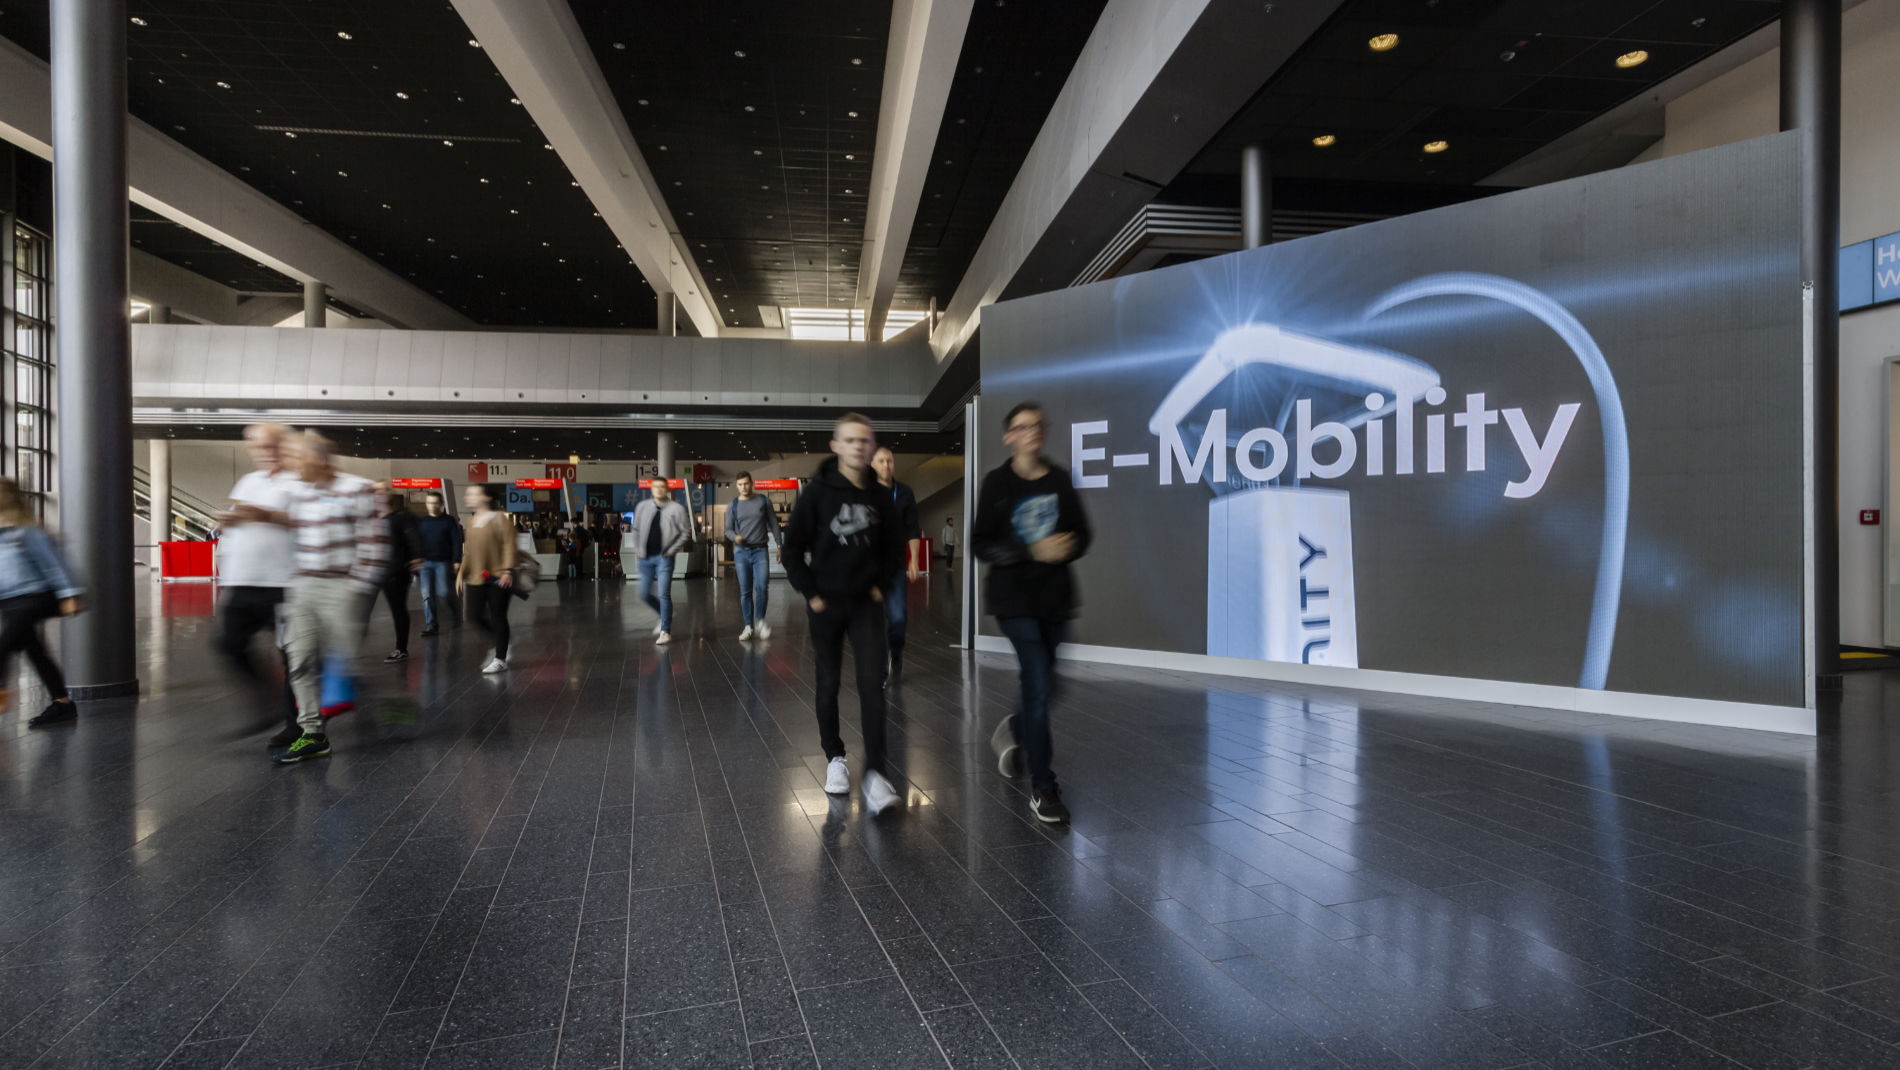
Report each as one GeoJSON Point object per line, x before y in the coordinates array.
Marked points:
{"type": "Point", "coordinates": [1437, 146]}
{"type": "Point", "coordinates": [620, 46]}
{"type": "Point", "coordinates": [1324, 140]}
{"type": "Point", "coordinates": [447, 142]}
{"type": "Point", "coordinates": [483, 181]}
{"type": "Point", "coordinates": [136, 21]}
{"type": "Point", "coordinates": [1632, 59]}
{"type": "Point", "coordinates": [852, 114]}
{"type": "Point", "coordinates": [400, 95]}
{"type": "Point", "coordinates": [1385, 42]}
{"type": "Point", "coordinates": [224, 85]}
{"type": "Point", "coordinates": [290, 133]}
{"type": "Point", "coordinates": [739, 52]}
{"type": "Point", "coordinates": [514, 100]}
{"type": "Point", "coordinates": [749, 107]}
{"type": "Point", "coordinates": [345, 34]}
{"type": "Point", "coordinates": [856, 62]}
{"type": "Point", "coordinates": [473, 43]}
{"type": "Point", "coordinates": [849, 156]}
{"type": "Point", "coordinates": [642, 102]}
{"type": "Point", "coordinates": [343, 174]}
{"type": "Point", "coordinates": [758, 152]}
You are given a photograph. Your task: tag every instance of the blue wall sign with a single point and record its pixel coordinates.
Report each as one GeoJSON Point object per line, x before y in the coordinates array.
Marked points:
{"type": "Point", "coordinates": [1870, 273]}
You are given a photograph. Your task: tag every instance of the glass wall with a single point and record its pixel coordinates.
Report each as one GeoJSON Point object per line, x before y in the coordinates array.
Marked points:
{"type": "Point", "coordinates": [28, 379]}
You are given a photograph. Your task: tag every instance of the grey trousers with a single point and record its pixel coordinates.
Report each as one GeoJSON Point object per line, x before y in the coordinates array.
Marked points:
{"type": "Point", "coordinates": [325, 616]}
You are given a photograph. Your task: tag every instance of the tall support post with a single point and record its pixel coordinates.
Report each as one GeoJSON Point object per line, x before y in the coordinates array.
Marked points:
{"type": "Point", "coordinates": [161, 491]}
{"type": "Point", "coordinates": [314, 303]}
{"type": "Point", "coordinates": [93, 335]}
{"type": "Point", "coordinates": [1811, 103]}
{"type": "Point", "coordinates": [669, 314]}
{"type": "Point", "coordinates": [159, 314]}
{"type": "Point", "coordinates": [664, 454]}
{"type": "Point", "coordinates": [1256, 197]}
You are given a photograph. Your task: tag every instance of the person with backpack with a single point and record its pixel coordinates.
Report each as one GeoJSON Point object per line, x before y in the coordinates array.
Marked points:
{"type": "Point", "coordinates": [844, 548]}
{"type": "Point", "coordinates": [1029, 526]}
{"type": "Point", "coordinates": [490, 555]}
{"type": "Point", "coordinates": [35, 585]}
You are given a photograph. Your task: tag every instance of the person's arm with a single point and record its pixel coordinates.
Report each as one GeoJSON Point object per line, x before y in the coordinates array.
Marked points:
{"type": "Point", "coordinates": [913, 536]}
{"type": "Point", "coordinates": [455, 542]}
{"type": "Point", "coordinates": [798, 538]}
{"type": "Point", "coordinates": [1075, 520]}
{"type": "Point", "coordinates": [893, 541]}
{"type": "Point", "coordinates": [993, 539]}
{"type": "Point", "coordinates": [372, 543]}
{"type": "Point", "coordinates": [685, 538]}
{"type": "Point", "coordinates": [774, 535]}
{"type": "Point", "coordinates": [46, 557]}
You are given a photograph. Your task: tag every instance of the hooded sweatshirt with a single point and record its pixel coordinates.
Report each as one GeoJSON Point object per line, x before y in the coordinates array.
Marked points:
{"type": "Point", "coordinates": [1011, 513]}
{"type": "Point", "coordinates": [853, 535]}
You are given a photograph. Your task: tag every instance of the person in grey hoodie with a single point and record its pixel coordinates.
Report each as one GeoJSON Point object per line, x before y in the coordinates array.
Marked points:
{"type": "Point", "coordinates": [34, 586]}
{"type": "Point", "coordinates": [661, 528]}
{"type": "Point", "coordinates": [752, 525]}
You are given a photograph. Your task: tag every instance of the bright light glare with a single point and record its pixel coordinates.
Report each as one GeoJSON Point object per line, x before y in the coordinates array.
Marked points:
{"type": "Point", "coordinates": [843, 324]}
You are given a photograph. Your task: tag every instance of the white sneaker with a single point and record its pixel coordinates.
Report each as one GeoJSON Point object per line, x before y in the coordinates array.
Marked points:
{"type": "Point", "coordinates": [837, 778]}
{"type": "Point", "coordinates": [657, 630]}
{"type": "Point", "coordinates": [495, 665]}
{"type": "Point", "coordinates": [879, 796]}
{"type": "Point", "coordinates": [763, 631]}
{"type": "Point", "coordinates": [665, 638]}
{"type": "Point", "coordinates": [746, 634]}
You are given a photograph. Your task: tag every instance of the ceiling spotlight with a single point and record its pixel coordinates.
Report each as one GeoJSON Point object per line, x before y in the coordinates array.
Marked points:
{"type": "Point", "coordinates": [642, 102]}
{"type": "Point", "coordinates": [343, 174]}
{"type": "Point", "coordinates": [290, 133]}
{"type": "Point", "coordinates": [1437, 146]}
{"type": "Point", "coordinates": [345, 34]}
{"type": "Point", "coordinates": [224, 85]}
{"type": "Point", "coordinates": [473, 43]}
{"type": "Point", "coordinates": [620, 46]}
{"type": "Point", "coordinates": [852, 114]}
{"type": "Point", "coordinates": [400, 95]}
{"type": "Point", "coordinates": [514, 100]}
{"type": "Point", "coordinates": [136, 21]}
{"type": "Point", "coordinates": [1632, 59]}
{"type": "Point", "coordinates": [1324, 140]}
{"type": "Point", "coordinates": [739, 52]}
{"type": "Point", "coordinates": [856, 62]}
{"type": "Point", "coordinates": [749, 107]}
{"type": "Point", "coordinates": [447, 142]}
{"type": "Point", "coordinates": [849, 156]}
{"type": "Point", "coordinates": [758, 152]}
{"type": "Point", "coordinates": [483, 181]}
{"type": "Point", "coordinates": [1507, 55]}
{"type": "Point", "coordinates": [1385, 42]}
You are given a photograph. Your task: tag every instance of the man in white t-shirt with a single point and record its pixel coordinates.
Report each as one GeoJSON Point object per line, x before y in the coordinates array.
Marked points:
{"type": "Point", "coordinates": [950, 540]}
{"type": "Point", "coordinates": [255, 562]}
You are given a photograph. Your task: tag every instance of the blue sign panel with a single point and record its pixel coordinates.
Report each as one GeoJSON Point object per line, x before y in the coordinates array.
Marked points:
{"type": "Point", "coordinates": [520, 500]}
{"type": "Point", "coordinates": [1887, 268]}
{"type": "Point", "coordinates": [626, 496]}
{"type": "Point", "coordinates": [1857, 276]}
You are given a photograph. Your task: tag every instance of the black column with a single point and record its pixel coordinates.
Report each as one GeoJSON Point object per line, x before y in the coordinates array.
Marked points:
{"type": "Point", "coordinates": [93, 337]}
{"type": "Point", "coordinates": [1811, 103]}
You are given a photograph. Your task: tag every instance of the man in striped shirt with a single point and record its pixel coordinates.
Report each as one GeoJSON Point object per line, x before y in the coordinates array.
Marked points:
{"type": "Point", "coordinates": [340, 546]}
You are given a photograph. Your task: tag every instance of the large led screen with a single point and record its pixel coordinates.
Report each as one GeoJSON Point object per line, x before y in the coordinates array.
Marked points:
{"type": "Point", "coordinates": [1553, 436]}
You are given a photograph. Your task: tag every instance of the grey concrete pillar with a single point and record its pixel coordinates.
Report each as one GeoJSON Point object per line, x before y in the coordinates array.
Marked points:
{"type": "Point", "coordinates": [161, 488]}
{"type": "Point", "coordinates": [94, 340]}
{"type": "Point", "coordinates": [664, 454]}
{"type": "Point", "coordinates": [669, 314]}
{"type": "Point", "coordinates": [1811, 103]}
{"type": "Point", "coordinates": [158, 314]}
{"type": "Point", "coordinates": [314, 303]}
{"type": "Point", "coordinates": [1256, 197]}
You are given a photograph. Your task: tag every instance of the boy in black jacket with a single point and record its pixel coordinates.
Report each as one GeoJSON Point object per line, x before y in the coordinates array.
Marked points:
{"type": "Point", "coordinates": [1029, 526]}
{"type": "Point", "coordinates": [849, 527]}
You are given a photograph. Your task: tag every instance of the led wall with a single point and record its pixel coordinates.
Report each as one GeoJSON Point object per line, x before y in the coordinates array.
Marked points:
{"type": "Point", "coordinates": [1554, 436]}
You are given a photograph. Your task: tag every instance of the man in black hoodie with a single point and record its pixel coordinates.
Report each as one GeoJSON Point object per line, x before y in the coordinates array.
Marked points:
{"type": "Point", "coordinates": [848, 527]}
{"type": "Point", "coordinates": [1029, 526]}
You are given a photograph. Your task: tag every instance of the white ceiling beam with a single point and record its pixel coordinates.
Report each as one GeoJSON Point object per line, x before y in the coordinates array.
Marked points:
{"type": "Point", "coordinates": [919, 65]}
{"type": "Point", "coordinates": [545, 58]}
{"type": "Point", "coordinates": [188, 189]}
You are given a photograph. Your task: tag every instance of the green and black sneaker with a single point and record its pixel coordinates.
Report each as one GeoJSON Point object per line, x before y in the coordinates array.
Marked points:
{"type": "Point", "coordinates": [305, 748]}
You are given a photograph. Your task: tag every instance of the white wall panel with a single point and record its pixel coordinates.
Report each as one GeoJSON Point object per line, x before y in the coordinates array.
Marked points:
{"type": "Point", "coordinates": [616, 370]}
{"type": "Point", "coordinates": [359, 365]}
{"type": "Point", "coordinates": [152, 362]}
{"type": "Point", "coordinates": [425, 366]}
{"type": "Point", "coordinates": [290, 370]}
{"type": "Point", "coordinates": [491, 367]}
{"type": "Point", "coordinates": [392, 365]}
{"type": "Point", "coordinates": [583, 367]}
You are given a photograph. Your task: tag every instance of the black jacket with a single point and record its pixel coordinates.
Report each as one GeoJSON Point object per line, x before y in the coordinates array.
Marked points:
{"type": "Point", "coordinates": [906, 502]}
{"type": "Point", "coordinates": [441, 538]}
{"type": "Point", "coordinates": [1012, 512]}
{"type": "Point", "coordinates": [853, 535]}
{"type": "Point", "coordinates": [405, 545]}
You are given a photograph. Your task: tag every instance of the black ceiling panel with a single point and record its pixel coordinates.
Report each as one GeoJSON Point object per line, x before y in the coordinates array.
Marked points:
{"type": "Point", "coordinates": [154, 234]}
{"type": "Point", "coordinates": [383, 125]}
{"type": "Point", "coordinates": [758, 122]}
{"type": "Point", "coordinates": [1016, 58]}
{"type": "Point", "coordinates": [1495, 79]}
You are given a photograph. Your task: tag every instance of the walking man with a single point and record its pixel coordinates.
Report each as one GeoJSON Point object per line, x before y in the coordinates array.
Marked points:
{"type": "Point", "coordinates": [843, 549]}
{"type": "Point", "coordinates": [950, 543]}
{"type": "Point", "coordinates": [661, 528]}
{"type": "Point", "coordinates": [254, 565]}
{"type": "Point", "coordinates": [752, 525]}
{"type": "Point", "coordinates": [905, 502]}
{"type": "Point", "coordinates": [441, 553]}
{"type": "Point", "coordinates": [405, 560]}
{"type": "Point", "coordinates": [341, 542]}
{"type": "Point", "coordinates": [1029, 526]}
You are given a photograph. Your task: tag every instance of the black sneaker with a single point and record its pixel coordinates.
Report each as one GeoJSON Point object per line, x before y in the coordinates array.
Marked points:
{"type": "Point", "coordinates": [396, 655]}
{"type": "Point", "coordinates": [55, 713]}
{"type": "Point", "coordinates": [1046, 804]}
{"type": "Point", "coordinates": [427, 632]}
{"type": "Point", "coordinates": [284, 738]}
{"type": "Point", "coordinates": [305, 748]}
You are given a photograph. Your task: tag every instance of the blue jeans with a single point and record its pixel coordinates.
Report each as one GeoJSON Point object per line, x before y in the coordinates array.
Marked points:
{"type": "Point", "coordinates": [438, 582]}
{"type": "Point", "coordinates": [749, 562]}
{"type": "Point", "coordinates": [1035, 641]}
{"type": "Point", "coordinates": [657, 571]}
{"type": "Point", "coordinates": [895, 612]}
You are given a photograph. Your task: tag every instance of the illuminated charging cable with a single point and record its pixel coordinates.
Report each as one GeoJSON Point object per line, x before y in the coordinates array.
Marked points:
{"type": "Point", "coordinates": [1616, 447]}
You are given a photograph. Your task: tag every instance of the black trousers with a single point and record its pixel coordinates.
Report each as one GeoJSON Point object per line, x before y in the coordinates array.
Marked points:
{"type": "Point", "coordinates": [396, 590]}
{"type": "Point", "coordinates": [488, 604]}
{"type": "Point", "coordinates": [247, 611]}
{"type": "Point", "coordinates": [20, 631]}
{"type": "Point", "coordinates": [863, 621]}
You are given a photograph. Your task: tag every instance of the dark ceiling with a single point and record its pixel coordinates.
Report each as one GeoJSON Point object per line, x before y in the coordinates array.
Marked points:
{"type": "Point", "coordinates": [1494, 79]}
{"type": "Point", "coordinates": [379, 122]}
{"type": "Point", "coordinates": [591, 444]}
{"type": "Point", "coordinates": [175, 242]}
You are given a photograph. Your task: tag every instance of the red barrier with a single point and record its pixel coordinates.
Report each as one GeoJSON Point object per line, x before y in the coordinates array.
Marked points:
{"type": "Point", "coordinates": [186, 560]}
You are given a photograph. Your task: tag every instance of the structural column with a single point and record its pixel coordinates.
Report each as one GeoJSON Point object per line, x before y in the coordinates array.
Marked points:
{"type": "Point", "coordinates": [313, 303]}
{"type": "Point", "coordinates": [1256, 198]}
{"type": "Point", "coordinates": [664, 454]}
{"type": "Point", "coordinates": [1811, 103]}
{"type": "Point", "coordinates": [669, 314]}
{"type": "Point", "coordinates": [93, 336]}
{"type": "Point", "coordinates": [161, 493]}
{"type": "Point", "coordinates": [158, 314]}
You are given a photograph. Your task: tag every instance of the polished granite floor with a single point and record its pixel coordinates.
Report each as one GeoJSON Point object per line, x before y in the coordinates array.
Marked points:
{"type": "Point", "coordinates": [618, 855]}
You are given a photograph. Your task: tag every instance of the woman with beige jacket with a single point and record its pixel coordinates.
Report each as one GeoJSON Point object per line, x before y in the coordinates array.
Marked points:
{"type": "Point", "coordinates": [489, 558]}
